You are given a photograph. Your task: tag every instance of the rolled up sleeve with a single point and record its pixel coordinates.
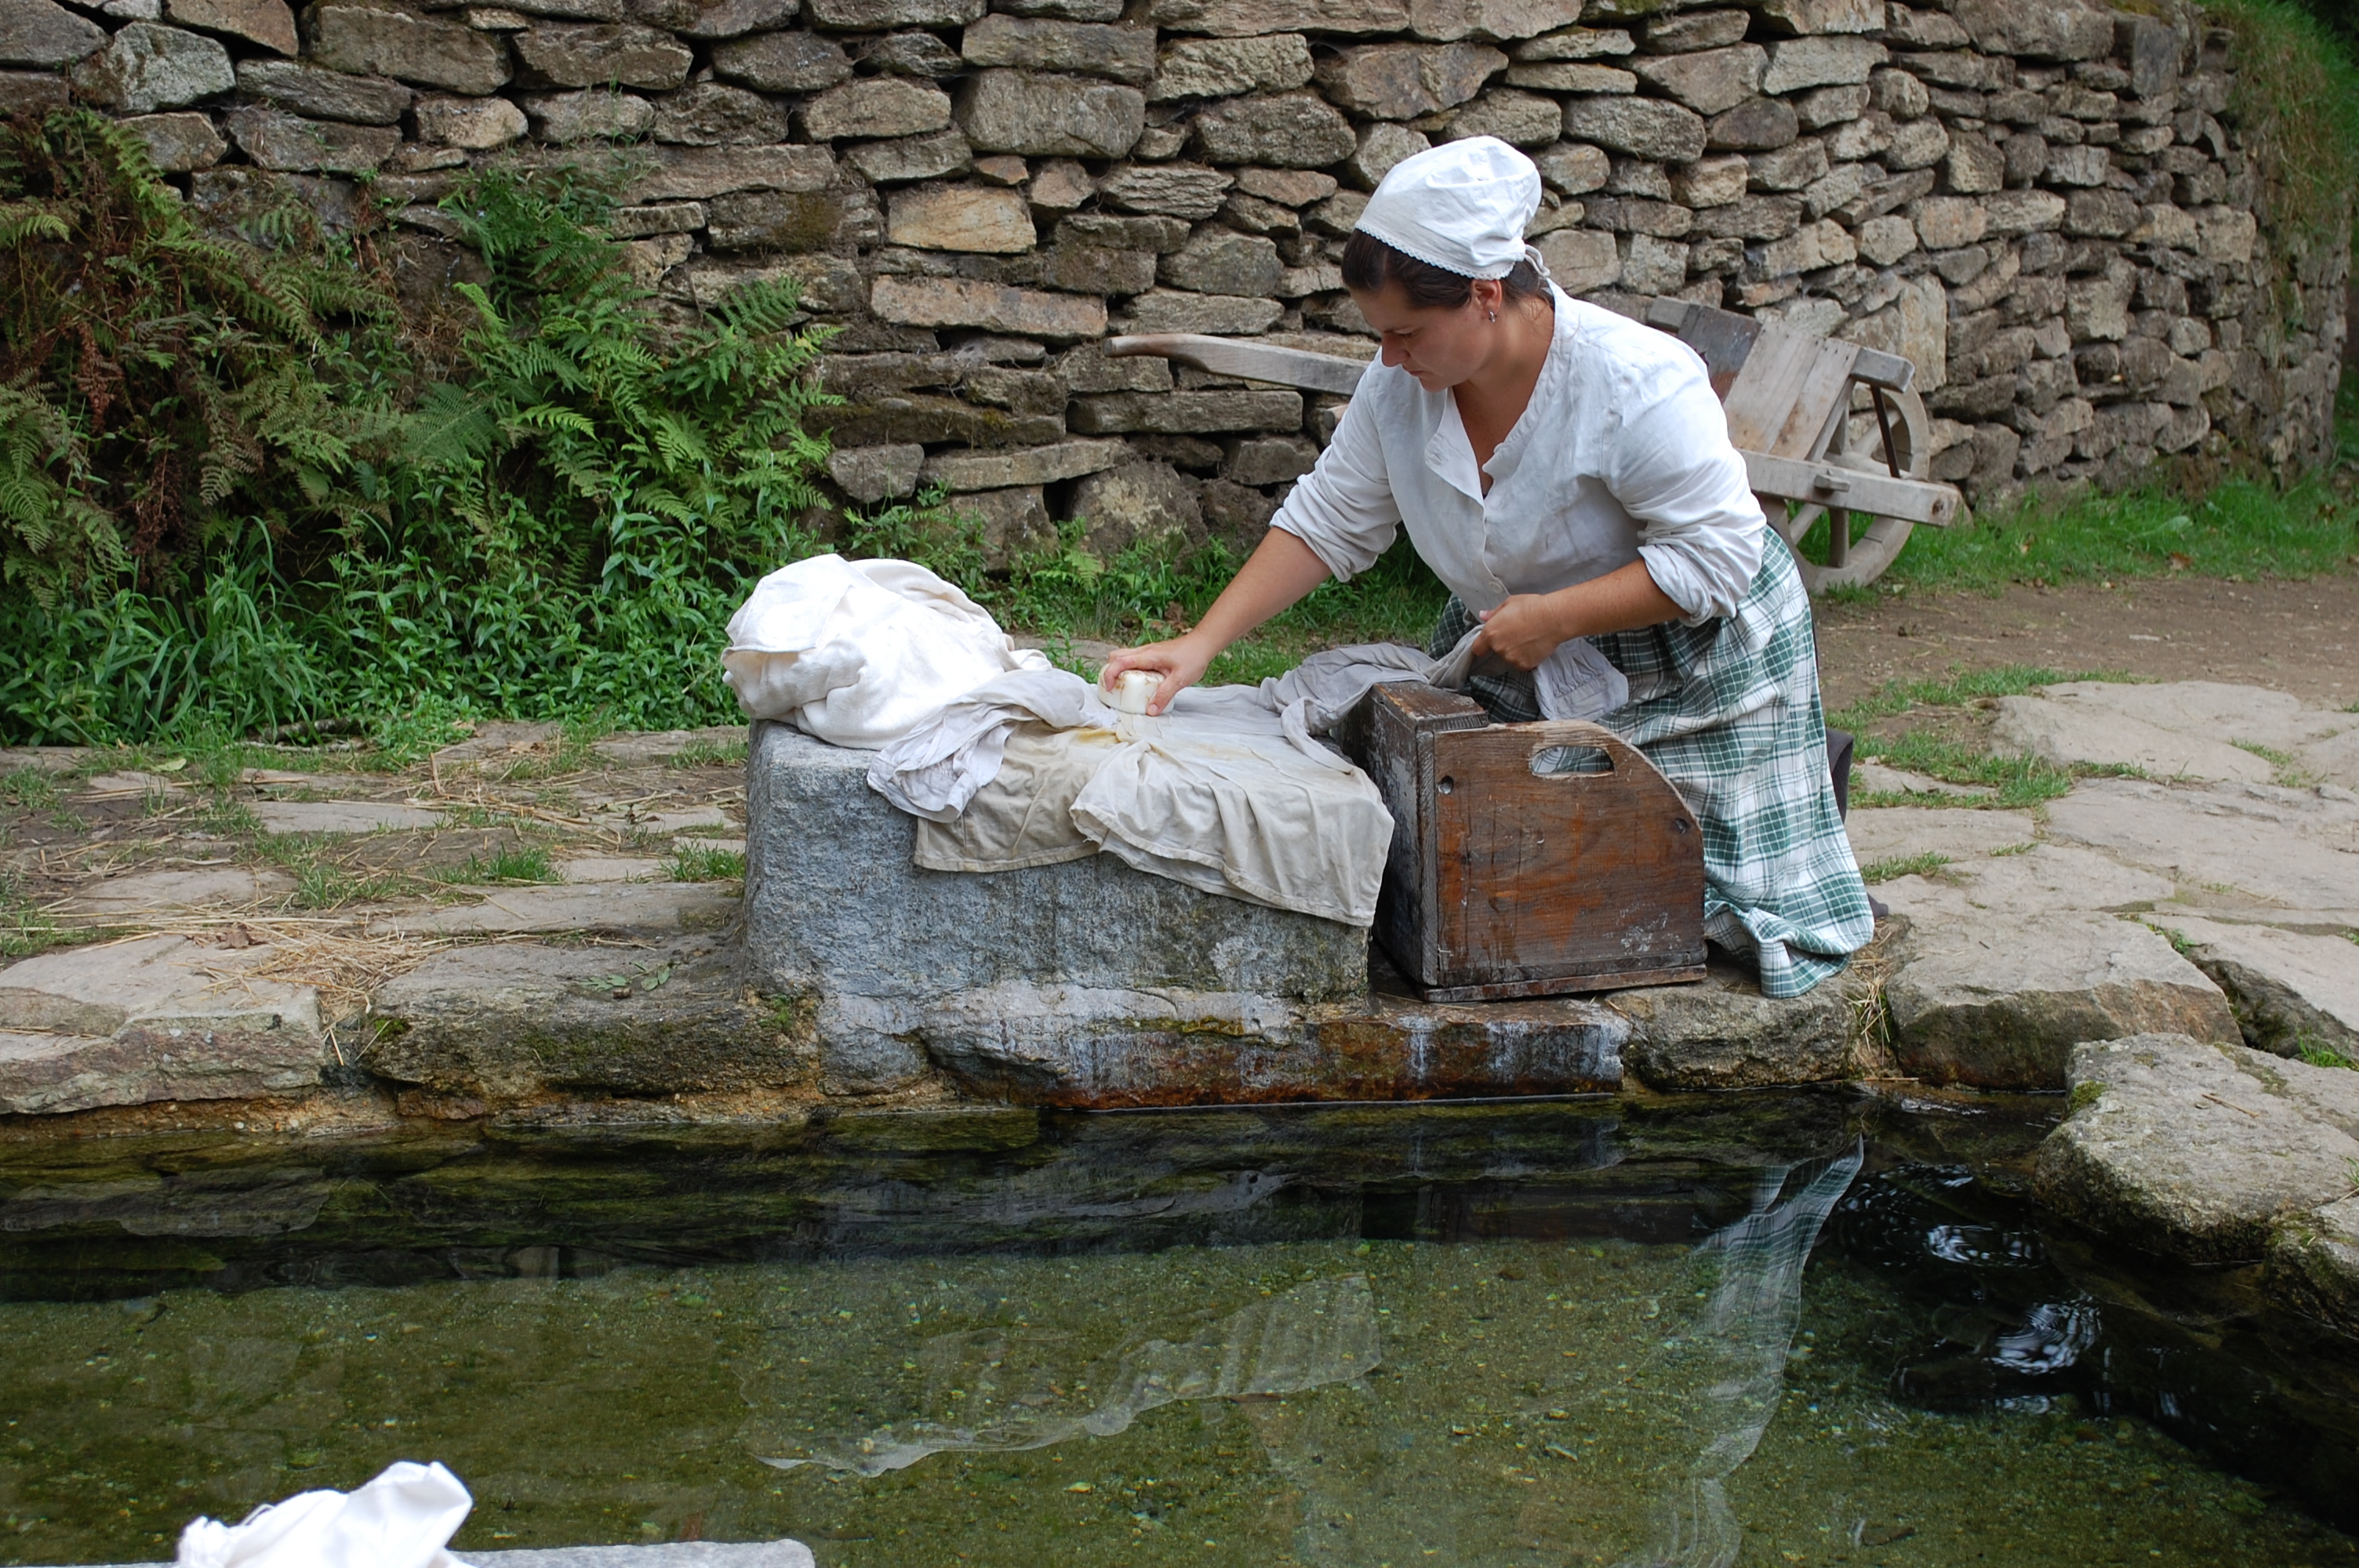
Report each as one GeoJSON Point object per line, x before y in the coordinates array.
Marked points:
{"type": "Point", "coordinates": [1674, 471]}
{"type": "Point", "coordinates": [1343, 508]}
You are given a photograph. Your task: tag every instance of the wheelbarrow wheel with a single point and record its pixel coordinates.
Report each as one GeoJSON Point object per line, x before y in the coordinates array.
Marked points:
{"type": "Point", "coordinates": [1854, 561]}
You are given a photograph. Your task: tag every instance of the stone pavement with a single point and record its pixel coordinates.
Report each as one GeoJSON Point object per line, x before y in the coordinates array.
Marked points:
{"type": "Point", "coordinates": [523, 920]}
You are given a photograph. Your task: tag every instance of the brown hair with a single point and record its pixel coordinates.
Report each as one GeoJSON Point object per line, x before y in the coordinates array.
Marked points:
{"type": "Point", "coordinates": [1369, 263]}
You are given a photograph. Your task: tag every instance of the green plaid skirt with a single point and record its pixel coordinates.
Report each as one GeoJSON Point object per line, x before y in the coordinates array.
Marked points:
{"type": "Point", "coordinates": [1729, 711]}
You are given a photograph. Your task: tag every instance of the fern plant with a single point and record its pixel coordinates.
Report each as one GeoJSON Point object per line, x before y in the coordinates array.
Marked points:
{"type": "Point", "coordinates": [163, 390]}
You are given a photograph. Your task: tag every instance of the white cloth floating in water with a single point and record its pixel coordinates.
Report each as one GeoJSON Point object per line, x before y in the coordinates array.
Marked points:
{"type": "Point", "coordinates": [403, 1519]}
{"type": "Point", "coordinates": [862, 653]}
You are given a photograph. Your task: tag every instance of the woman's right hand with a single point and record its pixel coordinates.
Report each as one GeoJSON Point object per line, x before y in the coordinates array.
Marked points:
{"type": "Point", "coordinates": [1181, 662]}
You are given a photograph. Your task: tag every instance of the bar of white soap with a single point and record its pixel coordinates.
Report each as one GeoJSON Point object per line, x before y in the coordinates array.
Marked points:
{"type": "Point", "coordinates": [1134, 689]}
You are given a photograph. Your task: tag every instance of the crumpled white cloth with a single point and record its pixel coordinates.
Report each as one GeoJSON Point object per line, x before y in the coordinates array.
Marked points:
{"type": "Point", "coordinates": [862, 653]}
{"type": "Point", "coordinates": [403, 1519]}
{"type": "Point", "coordinates": [1576, 681]}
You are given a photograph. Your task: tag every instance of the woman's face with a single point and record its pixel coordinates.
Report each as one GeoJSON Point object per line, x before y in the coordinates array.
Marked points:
{"type": "Point", "coordinates": [1442, 346]}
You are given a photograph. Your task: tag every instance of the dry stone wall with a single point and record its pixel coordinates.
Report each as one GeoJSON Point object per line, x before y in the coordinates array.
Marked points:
{"type": "Point", "coordinates": [2041, 204]}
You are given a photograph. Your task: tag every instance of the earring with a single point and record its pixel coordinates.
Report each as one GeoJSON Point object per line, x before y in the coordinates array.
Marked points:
{"type": "Point", "coordinates": [1493, 315]}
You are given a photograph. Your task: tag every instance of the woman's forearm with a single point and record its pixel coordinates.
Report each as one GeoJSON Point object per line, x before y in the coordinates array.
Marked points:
{"type": "Point", "coordinates": [1281, 569]}
{"type": "Point", "coordinates": [1527, 627]}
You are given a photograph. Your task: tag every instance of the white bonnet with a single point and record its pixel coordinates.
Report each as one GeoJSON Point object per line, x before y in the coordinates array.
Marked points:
{"type": "Point", "coordinates": [1463, 207]}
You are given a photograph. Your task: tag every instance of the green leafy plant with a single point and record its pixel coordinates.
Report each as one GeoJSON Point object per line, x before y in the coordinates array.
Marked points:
{"type": "Point", "coordinates": [696, 865]}
{"type": "Point", "coordinates": [1897, 866]}
{"type": "Point", "coordinates": [707, 755]}
{"type": "Point", "coordinates": [518, 864]}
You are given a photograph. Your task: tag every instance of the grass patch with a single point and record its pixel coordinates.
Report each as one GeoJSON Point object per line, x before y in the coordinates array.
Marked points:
{"type": "Point", "coordinates": [321, 882]}
{"type": "Point", "coordinates": [2308, 1049]}
{"type": "Point", "coordinates": [1897, 866]}
{"type": "Point", "coordinates": [2012, 782]}
{"type": "Point", "coordinates": [29, 789]}
{"type": "Point", "coordinates": [706, 865]}
{"type": "Point", "coordinates": [1887, 799]}
{"type": "Point", "coordinates": [2290, 774]}
{"type": "Point", "coordinates": [708, 754]}
{"type": "Point", "coordinates": [522, 863]}
{"type": "Point", "coordinates": [2085, 1095]}
{"type": "Point", "coordinates": [1957, 690]}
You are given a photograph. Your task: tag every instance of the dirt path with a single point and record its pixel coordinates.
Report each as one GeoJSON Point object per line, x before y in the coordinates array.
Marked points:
{"type": "Point", "coordinates": [2296, 637]}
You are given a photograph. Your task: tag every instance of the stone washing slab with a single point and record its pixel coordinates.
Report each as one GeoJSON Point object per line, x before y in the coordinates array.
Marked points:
{"type": "Point", "coordinates": [892, 958]}
{"type": "Point", "coordinates": [2314, 1263]}
{"type": "Point", "coordinates": [2198, 1151]}
{"type": "Point", "coordinates": [512, 1020]}
{"type": "Point", "coordinates": [1100, 1049]}
{"type": "Point", "coordinates": [1725, 1034]}
{"type": "Point", "coordinates": [1998, 998]}
{"type": "Point", "coordinates": [2065, 733]}
{"type": "Point", "coordinates": [2295, 848]}
{"type": "Point", "coordinates": [2289, 991]}
{"type": "Point", "coordinates": [156, 1019]}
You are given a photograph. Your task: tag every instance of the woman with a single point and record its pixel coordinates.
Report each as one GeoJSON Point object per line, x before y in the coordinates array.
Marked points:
{"type": "Point", "coordinates": [1567, 473]}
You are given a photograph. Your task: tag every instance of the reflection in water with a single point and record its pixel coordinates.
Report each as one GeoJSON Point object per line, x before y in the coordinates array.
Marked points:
{"type": "Point", "coordinates": [1740, 1349]}
{"type": "Point", "coordinates": [988, 1392]}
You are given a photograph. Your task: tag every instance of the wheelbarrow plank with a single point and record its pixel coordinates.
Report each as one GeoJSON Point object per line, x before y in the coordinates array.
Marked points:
{"type": "Point", "coordinates": [1245, 358]}
{"type": "Point", "coordinates": [1836, 484]}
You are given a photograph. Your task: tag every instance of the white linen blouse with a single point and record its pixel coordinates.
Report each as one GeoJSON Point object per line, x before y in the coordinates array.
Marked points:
{"type": "Point", "coordinates": [1622, 455]}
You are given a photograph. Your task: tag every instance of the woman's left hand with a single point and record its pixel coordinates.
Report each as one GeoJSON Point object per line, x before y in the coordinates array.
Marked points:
{"type": "Point", "coordinates": [1524, 631]}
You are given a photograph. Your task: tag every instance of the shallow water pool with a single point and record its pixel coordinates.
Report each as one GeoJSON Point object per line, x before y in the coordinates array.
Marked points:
{"type": "Point", "coordinates": [1461, 1335]}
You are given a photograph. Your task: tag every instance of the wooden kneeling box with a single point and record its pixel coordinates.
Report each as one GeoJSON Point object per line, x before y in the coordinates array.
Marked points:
{"type": "Point", "coordinates": [1527, 859]}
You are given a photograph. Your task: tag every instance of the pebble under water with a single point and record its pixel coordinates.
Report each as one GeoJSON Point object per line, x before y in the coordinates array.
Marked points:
{"type": "Point", "coordinates": [1513, 1364]}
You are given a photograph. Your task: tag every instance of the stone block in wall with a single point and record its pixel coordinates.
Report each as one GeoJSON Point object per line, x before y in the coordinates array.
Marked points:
{"type": "Point", "coordinates": [1011, 522]}
{"type": "Point", "coordinates": [1798, 63]}
{"type": "Point", "coordinates": [1519, 119]}
{"type": "Point", "coordinates": [1790, 168]}
{"type": "Point", "coordinates": [910, 158]}
{"type": "Point", "coordinates": [710, 20]}
{"type": "Point", "coordinates": [2103, 214]}
{"type": "Point", "coordinates": [1090, 269]}
{"type": "Point", "coordinates": [1283, 130]}
{"type": "Point", "coordinates": [1018, 390]}
{"type": "Point", "coordinates": [1216, 261]}
{"type": "Point", "coordinates": [1268, 460]}
{"type": "Point", "coordinates": [1575, 169]}
{"type": "Point", "coordinates": [1225, 68]}
{"type": "Point", "coordinates": [714, 114]}
{"type": "Point", "coordinates": [1923, 29]}
{"type": "Point", "coordinates": [1639, 215]}
{"type": "Point", "coordinates": [1144, 504]}
{"type": "Point", "coordinates": [1034, 467]}
{"type": "Point", "coordinates": [1251, 18]}
{"type": "Point", "coordinates": [1125, 54]}
{"type": "Point", "coordinates": [961, 218]}
{"type": "Point", "coordinates": [1062, 116]}
{"type": "Point", "coordinates": [146, 68]}
{"type": "Point", "coordinates": [700, 174]}
{"type": "Point", "coordinates": [1186, 413]}
{"type": "Point", "coordinates": [1402, 82]}
{"type": "Point", "coordinates": [783, 62]}
{"type": "Point", "coordinates": [594, 114]}
{"type": "Point", "coordinates": [1974, 166]}
{"type": "Point", "coordinates": [33, 92]}
{"type": "Point", "coordinates": [2227, 234]}
{"type": "Point", "coordinates": [1497, 21]}
{"type": "Point", "coordinates": [178, 143]}
{"type": "Point", "coordinates": [1752, 218]}
{"type": "Point", "coordinates": [308, 88]}
{"type": "Point", "coordinates": [994, 308]}
{"type": "Point", "coordinates": [1886, 240]}
{"type": "Point", "coordinates": [1680, 32]}
{"type": "Point", "coordinates": [1917, 144]}
{"type": "Point", "coordinates": [1153, 232]}
{"type": "Point", "coordinates": [1944, 222]}
{"type": "Point", "coordinates": [276, 140]}
{"type": "Point", "coordinates": [662, 218]}
{"type": "Point", "coordinates": [773, 220]}
{"type": "Point", "coordinates": [477, 124]}
{"type": "Point", "coordinates": [878, 15]}
{"type": "Point", "coordinates": [1758, 124]}
{"type": "Point", "coordinates": [1581, 260]}
{"type": "Point", "coordinates": [1379, 148]}
{"type": "Point", "coordinates": [1169, 190]}
{"type": "Point", "coordinates": [931, 419]}
{"type": "Point", "coordinates": [1708, 81]}
{"type": "Point", "coordinates": [1573, 76]}
{"type": "Point", "coordinates": [871, 474]}
{"type": "Point", "coordinates": [1217, 315]}
{"type": "Point", "coordinates": [2078, 166]}
{"type": "Point", "coordinates": [2151, 48]}
{"type": "Point", "coordinates": [565, 54]}
{"type": "Point", "coordinates": [2023, 211]}
{"type": "Point", "coordinates": [2040, 30]}
{"type": "Point", "coordinates": [2098, 308]}
{"type": "Point", "coordinates": [268, 23]}
{"type": "Point", "coordinates": [39, 33]}
{"type": "Point", "coordinates": [424, 51]}
{"type": "Point", "coordinates": [914, 54]}
{"type": "Point", "coordinates": [1644, 127]}
{"type": "Point", "coordinates": [1811, 16]}
{"type": "Point", "coordinates": [1088, 369]}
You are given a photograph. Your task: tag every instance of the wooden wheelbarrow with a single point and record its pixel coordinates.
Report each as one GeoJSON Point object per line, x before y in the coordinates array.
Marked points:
{"type": "Point", "coordinates": [1788, 395]}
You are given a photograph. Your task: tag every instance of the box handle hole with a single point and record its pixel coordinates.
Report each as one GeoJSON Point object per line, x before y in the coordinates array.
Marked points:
{"type": "Point", "coordinates": [1556, 761]}
{"type": "Point", "coordinates": [1446, 784]}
